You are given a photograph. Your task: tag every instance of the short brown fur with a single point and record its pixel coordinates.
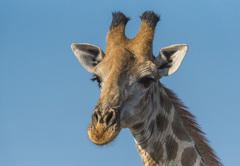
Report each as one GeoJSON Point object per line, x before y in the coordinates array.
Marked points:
{"type": "Point", "coordinates": [141, 45]}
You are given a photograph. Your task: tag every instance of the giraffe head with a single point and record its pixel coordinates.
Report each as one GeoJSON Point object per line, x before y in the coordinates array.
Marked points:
{"type": "Point", "coordinates": [125, 74]}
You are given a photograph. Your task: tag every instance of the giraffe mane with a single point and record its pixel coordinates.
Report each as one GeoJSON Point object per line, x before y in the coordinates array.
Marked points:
{"type": "Point", "coordinates": [194, 130]}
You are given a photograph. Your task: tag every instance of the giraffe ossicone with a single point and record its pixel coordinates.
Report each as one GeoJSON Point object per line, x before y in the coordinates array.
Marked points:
{"type": "Point", "coordinates": [133, 97]}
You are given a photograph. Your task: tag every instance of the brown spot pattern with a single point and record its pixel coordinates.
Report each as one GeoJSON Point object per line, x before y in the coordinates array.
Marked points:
{"type": "Point", "coordinates": [172, 148]}
{"type": "Point", "coordinates": [157, 154]}
{"type": "Point", "coordinates": [161, 122]}
{"type": "Point", "coordinates": [189, 157]}
{"type": "Point", "coordinates": [198, 152]}
{"type": "Point", "coordinates": [189, 121]}
{"type": "Point", "coordinates": [179, 130]}
{"type": "Point", "coordinates": [151, 126]}
{"type": "Point", "coordinates": [138, 126]}
{"type": "Point", "coordinates": [165, 103]}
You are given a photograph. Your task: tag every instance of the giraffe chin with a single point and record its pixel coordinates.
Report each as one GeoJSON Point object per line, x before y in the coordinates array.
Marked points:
{"type": "Point", "coordinates": [101, 135]}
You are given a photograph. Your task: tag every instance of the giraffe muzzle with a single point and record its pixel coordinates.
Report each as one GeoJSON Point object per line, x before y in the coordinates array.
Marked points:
{"type": "Point", "coordinates": [104, 127]}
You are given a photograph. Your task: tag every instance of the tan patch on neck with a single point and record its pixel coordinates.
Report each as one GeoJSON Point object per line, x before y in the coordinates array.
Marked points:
{"type": "Point", "coordinates": [146, 158]}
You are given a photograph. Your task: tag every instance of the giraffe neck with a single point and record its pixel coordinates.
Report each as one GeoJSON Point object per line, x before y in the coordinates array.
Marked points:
{"type": "Point", "coordinates": [162, 139]}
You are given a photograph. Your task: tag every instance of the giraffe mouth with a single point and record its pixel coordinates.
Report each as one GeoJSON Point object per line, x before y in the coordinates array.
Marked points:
{"type": "Point", "coordinates": [102, 131]}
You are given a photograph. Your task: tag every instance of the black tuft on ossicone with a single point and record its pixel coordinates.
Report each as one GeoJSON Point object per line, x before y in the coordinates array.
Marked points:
{"type": "Point", "coordinates": [119, 18]}
{"type": "Point", "coordinates": [151, 17]}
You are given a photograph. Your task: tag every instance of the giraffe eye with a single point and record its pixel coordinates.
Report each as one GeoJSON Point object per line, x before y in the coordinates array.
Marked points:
{"type": "Point", "coordinates": [146, 81]}
{"type": "Point", "coordinates": [96, 78]}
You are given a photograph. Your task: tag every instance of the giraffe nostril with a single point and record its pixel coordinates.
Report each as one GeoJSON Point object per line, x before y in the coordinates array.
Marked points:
{"type": "Point", "coordinates": [95, 117]}
{"type": "Point", "coordinates": [109, 117]}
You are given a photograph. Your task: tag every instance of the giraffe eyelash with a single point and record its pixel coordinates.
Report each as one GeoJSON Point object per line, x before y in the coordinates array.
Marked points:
{"type": "Point", "coordinates": [96, 78]}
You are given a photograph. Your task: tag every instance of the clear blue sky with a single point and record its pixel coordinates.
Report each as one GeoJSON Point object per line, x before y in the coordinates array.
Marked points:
{"type": "Point", "coordinates": [47, 98]}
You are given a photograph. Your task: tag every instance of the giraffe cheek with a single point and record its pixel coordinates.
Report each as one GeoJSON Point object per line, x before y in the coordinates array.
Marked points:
{"type": "Point", "coordinates": [129, 121]}
{"type": "Point", "coordinates": [128, 118]}
{"type": "Point", "coordinates": [130, 113]}
{"type": "Point", "coordinates": [125, 119]}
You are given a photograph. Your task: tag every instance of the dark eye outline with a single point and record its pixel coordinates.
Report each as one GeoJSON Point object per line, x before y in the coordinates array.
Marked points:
{"type": "Point", "coordinates": [146, 81]}
{"type": "Point", "coordinates": [96, 78]}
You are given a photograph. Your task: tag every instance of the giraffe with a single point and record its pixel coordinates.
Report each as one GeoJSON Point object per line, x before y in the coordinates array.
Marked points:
{"type": "Point", "coordinates": [132, 96]}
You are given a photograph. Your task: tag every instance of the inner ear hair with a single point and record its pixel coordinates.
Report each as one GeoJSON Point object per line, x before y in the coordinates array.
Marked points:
{"type": "Point", "coordinates": [170, 59]}
{"type": "Point", "coordinates": [88, 55]}
{"type": "Point", "coordinates": [93, 51]}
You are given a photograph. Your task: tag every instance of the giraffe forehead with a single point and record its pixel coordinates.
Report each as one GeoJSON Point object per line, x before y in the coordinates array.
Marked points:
{"type": "Point", "coordinates": [119, 61]}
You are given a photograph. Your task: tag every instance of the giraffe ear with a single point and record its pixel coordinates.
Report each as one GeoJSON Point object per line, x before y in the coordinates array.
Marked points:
{"type": "Point", "coordinates": [88, 55]}
{"type": "Point", "coordinates": [170, 59]}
